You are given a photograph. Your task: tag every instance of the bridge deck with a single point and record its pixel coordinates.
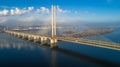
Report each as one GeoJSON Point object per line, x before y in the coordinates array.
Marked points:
{"type": "Point", "coordinates": [102, 44]}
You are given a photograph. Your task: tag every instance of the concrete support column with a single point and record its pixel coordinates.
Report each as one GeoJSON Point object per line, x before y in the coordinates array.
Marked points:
{"type": "Point", "coordinates": [26, 37]}
{"type": "Point", "coordinates": [23, 36]}
{"type": "Point", "coordinates": [43, 40]}
{"type": "Point", "coordinates": [53, 42]}
{"type": "Point", "coordinates": [13, 33]}
{"type": "Point", "coordinates": [35, 38]}
{"type": "Point", "coordinates": [19, 35]}
{"type": "Point", "coordinates": [10, 33]}
{"type": "Point", "coordinates": [29, 37]}
{"type": "Point", "coordinates": [16, 34]}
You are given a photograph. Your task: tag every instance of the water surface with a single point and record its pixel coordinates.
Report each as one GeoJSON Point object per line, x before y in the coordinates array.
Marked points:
{"type": "Point", "coordinates": [16, 52]}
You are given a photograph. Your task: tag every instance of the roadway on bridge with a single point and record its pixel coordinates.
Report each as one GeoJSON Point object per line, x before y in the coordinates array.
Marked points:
{"type": "Point", "coordinates": [109, 45]}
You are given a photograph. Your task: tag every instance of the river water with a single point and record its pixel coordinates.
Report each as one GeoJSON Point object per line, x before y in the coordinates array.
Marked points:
{"type": "Point", "coordinates": [15, 52]}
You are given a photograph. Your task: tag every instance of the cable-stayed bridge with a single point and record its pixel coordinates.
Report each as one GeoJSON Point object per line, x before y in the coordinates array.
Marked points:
{"type": "Point", "coordinates": [53, 38]}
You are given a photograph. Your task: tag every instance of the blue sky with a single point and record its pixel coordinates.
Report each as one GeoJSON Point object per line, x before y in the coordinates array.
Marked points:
{"type": "Point", "coordinates": [67, 10]}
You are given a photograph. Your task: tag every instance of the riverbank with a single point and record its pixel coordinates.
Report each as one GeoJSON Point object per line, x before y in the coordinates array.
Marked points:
{"type": "Point", "coordinates": [89, 32]}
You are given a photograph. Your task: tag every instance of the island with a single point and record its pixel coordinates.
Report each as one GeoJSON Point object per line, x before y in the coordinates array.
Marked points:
{"type": "Point", "coordinates": [88, 32]}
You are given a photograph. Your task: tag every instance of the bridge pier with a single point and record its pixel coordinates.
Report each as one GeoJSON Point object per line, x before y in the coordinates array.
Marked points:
{"type": "Point", "coordinates": [53, 42]}
{"type": "Point", "coordinates": [43, 40]}
{"type": "Point", "coordinates": [17, 35]}
{"type": "Point", "coordinates": [22, 36]}
{"type": "Point", "coordinates": [25, 37]}
{"type": "Point", "coordinates": [29, 37]}
{"type": "Point", "coordinates": [35, 39]}
{"type": "Point", "coordinates": [11, 33]}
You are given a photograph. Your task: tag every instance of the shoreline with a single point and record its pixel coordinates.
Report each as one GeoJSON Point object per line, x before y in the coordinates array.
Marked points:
{"type": "Point", "coordinates": [89, 32]}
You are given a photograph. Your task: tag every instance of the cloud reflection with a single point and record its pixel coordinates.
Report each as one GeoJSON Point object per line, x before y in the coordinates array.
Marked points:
{"type": "Point", "coordinates": [18, 46]}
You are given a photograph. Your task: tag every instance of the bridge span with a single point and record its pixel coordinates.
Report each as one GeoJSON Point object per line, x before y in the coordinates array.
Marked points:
{"type": "Point", "coordinates": [53, 41]}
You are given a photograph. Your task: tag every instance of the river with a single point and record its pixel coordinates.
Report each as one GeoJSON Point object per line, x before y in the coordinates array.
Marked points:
{"type": "Point", "coordinates": [15, 52]}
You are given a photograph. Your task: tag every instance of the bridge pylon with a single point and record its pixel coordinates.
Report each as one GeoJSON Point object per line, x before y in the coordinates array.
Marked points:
{"type": "Point", "coordinates": [53, 40]}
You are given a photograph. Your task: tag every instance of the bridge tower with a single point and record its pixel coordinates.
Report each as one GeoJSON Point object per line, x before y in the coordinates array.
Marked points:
{"type": "Point", "coordinates": [53, 40]}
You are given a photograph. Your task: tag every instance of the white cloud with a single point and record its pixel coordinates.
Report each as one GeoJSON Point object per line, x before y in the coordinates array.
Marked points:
{"type": "Point", "coordinates": [30, 8]}
{"type": "Point", "coordinates": [18, 11]}
{"type": "Point", "coordinates": [43, 10]}
{"type": "Point", "coordinates": [12, 12]}
{"type": "Point", "coordinates": [4, 12]}
{"type": "Point", "coordinates": [15, 11]}
{"type": "Point", "coordinates": [30, 14]}
{"type": "Point", "coordinates": [61, 11]}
